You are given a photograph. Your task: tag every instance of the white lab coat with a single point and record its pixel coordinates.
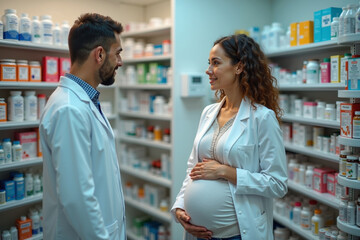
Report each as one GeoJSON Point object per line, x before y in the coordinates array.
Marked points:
{"type": "Point", "coordinates": [83, 196]}
{"type": "Point", "coordinates": [255, 148]}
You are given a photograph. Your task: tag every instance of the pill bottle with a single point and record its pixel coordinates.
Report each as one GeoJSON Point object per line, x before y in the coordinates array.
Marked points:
{"type": "Point", "coordinates": [335, 28]}
{"type": "Point", "coordinates": [7, 150]}
{"type": "Point", "coordinates": [56, 31]}
{"type": "Point", "coordinates": [297, 213]}
{"type": "Point", "coordinates": [16, 106]}
{"type": "Point", "coordinates": [317, 222]}
{"type": "Point", "coordinates": [312, 71]}
{"type": "Point", "coordinates": [159, 103]}
{"type": "Point", "coordinates": [351, 211]}
{"type": "Point", "coordinates": [65, 28]}
{"type": "Point", "coordinates": [343, 209]}
{"type": "Point", "coordinates": [3, 110]}
{"type": "Point", "coordinates": [35, 226]}
{"type": "Point", "coordinates": [19, 186]}
{"type": "Point", "coordinates": [22, 70]}
{"type": "Point", "coordinates": [11, 25]}
{"type": "Point", "coordinates": [309, 173]}
{"type": "Point", "coordinates": [166, 47]}
{"type": "Point", "coordinates": [352, 166]}
{"type": "Point", "coordinates": [349, 19]}
{"type": "Point", "coordinates": [41, 100]}
{"type": "Point", "coordinates": [342, 162]}
{"type": "Point", "coordinates": [35, 30]}
{"type": "Point", "coordinates": [37, 184]}
{"type": "Point", "coordinates": [2, 155]}
{"type": "Point", "coordinates": [166, 136]}
{"type": "Point", "coordinates": [320, 110]}
{"type": "Point", "coordinates": [358, 212]}
{"type": "Point", "coordinates": [25, 28]}
{"type": "Point", "coordinates": [46, 29]}
{"type": "Point", "coordinates": [1, 29]}
{"type": "Point", "coordinates": [305, 218]}
{"type": "Point", "coordinates": [13, 232]}
{"type": "Point", "coordinates": [16, 151]}
{"type": "Point", "coordinates": [341, 21]}
{"type": "Point", "coordinates": [330, 112]}
{"type": "Point", "coordinates": [157, 133]}
{"type": "Point", "coordinates": [325, 70]}
{"type": "Point", "coordinates": [130, 73]}
{"type": "Point", "coordinates": [35, 71]}
{"type": "Point", "coordinates": [2, 196]}
{"type": "Point", "coordinates": [29, 184]}
{"type": "Point", "coordinates": [356, 125]}
{"type": "Point", "coordinates": [149, 50]}
{"type": "Point", "coordinates": [31, 105]}
{"type": "Point", "coordinates": [8, 70]}
{"type": "Point", "coordinates": [164, 206]}
{"type": "Point", "coordinates": [6, 235]}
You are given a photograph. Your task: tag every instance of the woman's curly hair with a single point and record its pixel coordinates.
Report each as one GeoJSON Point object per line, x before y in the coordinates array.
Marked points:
{"type": "Point", "coordinates": [256, 81]}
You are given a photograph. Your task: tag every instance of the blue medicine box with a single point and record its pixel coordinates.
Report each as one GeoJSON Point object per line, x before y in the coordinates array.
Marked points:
{"type": "Point", "coordinates": [9, 186]}
{"type": "Point", "coordinates": [327, 16]}
{"type": "Point", "coordinates": [317, 26]}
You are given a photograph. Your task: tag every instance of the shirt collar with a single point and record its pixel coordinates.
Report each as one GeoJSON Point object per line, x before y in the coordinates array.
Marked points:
{"type": "Point", "coordinates": [90, 91]}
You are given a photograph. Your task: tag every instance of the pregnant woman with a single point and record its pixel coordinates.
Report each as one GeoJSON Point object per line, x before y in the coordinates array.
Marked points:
{"type": "Point", "coordinates": [237, 164]}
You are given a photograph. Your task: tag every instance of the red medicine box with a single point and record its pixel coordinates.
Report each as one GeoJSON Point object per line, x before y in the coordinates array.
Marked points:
{"type": "Point", "coordinates": [50, 67]}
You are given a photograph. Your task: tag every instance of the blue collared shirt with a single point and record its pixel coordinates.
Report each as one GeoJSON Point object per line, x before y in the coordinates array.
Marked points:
{"type": "Point", "coordinates": [90, 91]}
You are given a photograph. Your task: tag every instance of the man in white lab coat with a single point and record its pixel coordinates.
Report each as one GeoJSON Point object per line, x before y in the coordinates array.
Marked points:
{"type": "Point", "coordinates": [83, 197]}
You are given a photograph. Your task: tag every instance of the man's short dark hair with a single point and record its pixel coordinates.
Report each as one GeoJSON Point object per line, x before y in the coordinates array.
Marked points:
{"type": "Point", "coordinates": [89, 31]}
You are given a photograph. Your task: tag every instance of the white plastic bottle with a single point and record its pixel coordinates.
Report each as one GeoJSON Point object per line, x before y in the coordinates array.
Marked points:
{"type": "Point", "coordinates": [29, 185]}
{"type": "Point", "coordinates": [317, 222]}
{"type": "Point", "coordinates": [35, 30]}
{"type": "Point", "coordinates": [37, 184]}
{"type": "Point", "coordinates": [351, 211]}
{"type": "Point", "coordinates": [16, 151]}
{"type": "Point", "coordinates": [31, 105]}
{"type": "Point", "coordinates": [56, 35]}
{"type": "Point", "coordinates": [343, 209]}
{"type": "Point", "coordinates": [1, 29]}
{"type": "Point", "coordinates": [16, 106]}
{"type": "Point", "coordinates": [297, 213]}
{"type": "Point", "coordinates": [25, 28]}
{"type": "Point", "coordinates": [46, 29]}
{"type": "Point", "coordinates": [6, 235]}
{"type": "Point", "coordinates": [41, 104]}
{"type": "Point", "coordinates": [313, 71]}
{"type": "Point", "coordinates": [306, 215]}
{"type": "Point", "coordinates": [162, 233]}
{"type": "Point", "coordinates": [335, 28]}
{"type": "Point", "coordinates": [11, 25]}
{"type": "Point", "coordinates": [309, 176]}
{"type": "Point", "coordinates": [349, 20]}
{"type": "Point", "coordinates": [34, 216]}
{"type": "Point", "coordinates": [2, 155]}
{"type": "Point", "coordinates": [14, 233]}
{"type": "Point", "coordinates": [341, 21]}
{"type": "Point", "coordinates": [7, 150]}
{"type": "Point", "coordinates": [65, 29]}
{"type": "Point", "coordinates": [302, 170]}
{"type": "Point", "coordinates": [159, 103]}
{"type": "Point", "coordinates": [264, 38]}
{"type": "Point", "coordinates": [357, 20]}
{"type": "Point", "coordinates": [274, 36]}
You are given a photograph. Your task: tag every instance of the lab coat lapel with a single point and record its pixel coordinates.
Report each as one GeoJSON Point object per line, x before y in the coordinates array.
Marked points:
{"type": "Point", "coordinates": [238, 126]}
{"type": "Point", "coordinates": [102, 119]}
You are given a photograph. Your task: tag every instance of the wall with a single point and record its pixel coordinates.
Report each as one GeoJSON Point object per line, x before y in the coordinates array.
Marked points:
{"type": "Point", "coordinates": [160, 9]}
{"type": "Point", "coordinates": [70, 10]}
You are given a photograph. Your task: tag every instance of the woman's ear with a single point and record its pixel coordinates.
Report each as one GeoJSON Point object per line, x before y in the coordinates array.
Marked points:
{"type": "Point", "coordinates": [239, 68]}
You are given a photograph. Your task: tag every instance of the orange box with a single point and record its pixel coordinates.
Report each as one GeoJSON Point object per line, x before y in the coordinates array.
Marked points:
{"type": "Point", "coordinates": [50, 67]}
{"type": "Point", "coordinates": [8, 71]}
{"type": "Point", "coordinates": [22, 71]}
{"type": "Point", "coordinates": [306, 32]}
{"type": "Point", "coordinates": [294, 30]}
{"type": "Point", "coordinates": [24, 227]}
{"type": "Point", "coordinates": [64, 66]}
{"type": "Point", "coordinates": [3, 111]}
{"type": "Point", "coordinates": [34, 71]}
{"type": "Point", "coordinates": [347, 113]}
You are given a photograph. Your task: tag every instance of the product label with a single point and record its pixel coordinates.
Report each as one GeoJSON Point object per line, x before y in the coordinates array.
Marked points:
{"type": "Point", "coordinates": [351, 170]}
{"type": "Point", "coordinates": [315, 228]}
{"type": "Point", "coordinates": [35, 73]}
{"type": "Point", "coordinates": [51, 67]}
{"type": "Point", "coordinates": [317, 182]}
{"type": "Point", "coordinates": [8, 73]}
{"type": "Point", "coordinates": [349, 25]}
{"type": "Point", "coordinates": [326, 20]}
{"type": "Point", "coordinates": [3, 112]}
{"type": "Point", "coordinates": [23, 73]}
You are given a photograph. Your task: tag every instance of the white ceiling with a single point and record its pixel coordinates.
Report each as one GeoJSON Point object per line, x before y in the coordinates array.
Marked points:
{"type": "Point", "coordinates": [137, 2]}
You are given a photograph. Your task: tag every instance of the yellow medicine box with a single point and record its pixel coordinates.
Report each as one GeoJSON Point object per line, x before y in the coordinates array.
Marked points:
{"type": "Point", "coordinates": [306, 32]}
{"type": "Point", "coordinates": [294, 34]}
{"type": "Point", "coordinates": [335, 68]}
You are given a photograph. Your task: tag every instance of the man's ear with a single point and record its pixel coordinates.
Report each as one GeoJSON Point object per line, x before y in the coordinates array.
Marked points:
{"type": "Point", "coordinates": [99, 54]}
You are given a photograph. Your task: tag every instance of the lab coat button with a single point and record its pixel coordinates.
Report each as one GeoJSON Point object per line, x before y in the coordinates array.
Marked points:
{"type": "Point", "coordinates": [240, 212]}
{"type": "Point", "coordinates": [244, 231]}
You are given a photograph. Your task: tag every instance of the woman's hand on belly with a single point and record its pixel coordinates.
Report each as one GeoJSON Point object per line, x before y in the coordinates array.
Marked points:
{"type": "Point", "coordinates": [210, 169]}
{"type": "Point", "coordinates": [197, 231]}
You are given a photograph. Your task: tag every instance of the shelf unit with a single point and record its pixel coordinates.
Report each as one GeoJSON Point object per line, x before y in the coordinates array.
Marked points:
{"type": "Point", "coordinates": [23, 202]}
{"type": "Point", "coordinates": [311, 152]}
{"type": "Point", "coordinates": [36, 237]}
{"type": "Point", "coordinates": [164, 117]}
{"type": "Point", "coordinates": [311, 87]}
{"type": "Point", "coordinates": [146, 87]}
{"type": "Point", "coordinates": [24, 163]}
{"type": "Point", "coordinates": [311, 121]}
{"type": "Point", "coordinates": [350, 229]}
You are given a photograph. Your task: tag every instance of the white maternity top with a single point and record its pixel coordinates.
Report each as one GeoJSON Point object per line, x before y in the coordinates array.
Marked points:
{"type": "Point", "coordinates": [209, 202]}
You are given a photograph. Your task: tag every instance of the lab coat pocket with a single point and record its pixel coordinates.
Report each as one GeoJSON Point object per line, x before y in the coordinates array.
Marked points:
{"type": "Point", "coordinates": [113, 230]}
{"type": "Point", "coordinates": [245, 154]}
{"type": "Point", "coordinates": [262, 225]}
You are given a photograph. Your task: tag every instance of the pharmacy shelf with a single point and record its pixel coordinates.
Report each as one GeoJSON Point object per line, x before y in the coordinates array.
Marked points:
{"type": "Point", "coordinates": [28, 85]}
{"type": "Point", "coordinates": [296, 228]}
{"type": "Point", "coordinates": [18, 125]}
{"type": "Point", "coordinates": [324, 198]}
{"type": "Point", "coordinates": [145, 87]}
{"type": "Point", "coordinates": [22, 202]}
{"type": "Point", "coordinates": [146, 142]}
{"type": "Point", "coordinates": [307, 48]}
{"type": "Point", "coordinates": [22, 164]}
{"type": "Point", "coordinates": [349, 39]}
{"type": "Point", "coordinates": [349, 141]}
{"type": "Point", "coordinates": [349, 93]}
{"type": "Point", "coordinates": [146, 175]}
{"type": "Point", "coordinates": [32, 46]}
{"type": "Point", "coordinates": [311, 121]}
{"type": "Point", "coordinates": [165, 117]}
{"type": "Point", "coordinates": [312, 87]}
{"type": "Point", "coordinates": [148, 59]}
{"type": "Point", "coordinates": [111, 116]}
{"type": "Point", "coordinates": [149, 32]}
{"type": "Point", "coordinates": [155, 212]}
{"type": "Point", "coordinates": [36, 237]}
{"type": "Point", "coordinates": [349, 182]}
{"type": "Point", "coordinates": [350, 229]}
{"type": "Point", "coordinates": [131, 235]}
{"type": "Point", "coordinates": [311, 152]}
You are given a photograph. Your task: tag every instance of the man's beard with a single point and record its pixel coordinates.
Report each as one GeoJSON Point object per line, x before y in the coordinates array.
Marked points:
{"type": "Point", "coordinates": [107, 74]}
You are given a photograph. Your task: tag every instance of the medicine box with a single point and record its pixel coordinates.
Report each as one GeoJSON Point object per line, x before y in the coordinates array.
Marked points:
{"type": "Point", "coordinates": [309, 110]}
{"type": "Point", "coordinates": [331, 183]}
{"type": "Point", "coordinates": [354, 74]}
{"type": "Point", "coordinates": [344, 68]}
{"type": "Point", "coordinates": [327, 16]}
{"type": "Point", "coordinates": [8, 72]}
{"type": "Point", "coordinates": [28, 141]}
{"type": "Point", "coordinates": [162, 74]}
{"type": "Point", "coordinates": [39, 151]}
{"type": "Point", "coordinates": [152, 78]}
{"type": "Point", "coordinates": [320, 179]}
{"type": "Point", "coordinates": [64, 66]}
{"type": "Point", "coordinates": [347, 113]}
{"type": "Point", "coordinates": [306, 32]}
{"type": "Point", "coordinates": [158, 49]}
{"type": "Point", "coordinates": [294, 34]}
{"type": "Point", "coordinates": [50, 67]}
{"type": "Point", "coordinates": [141, 71]}
{"type": "Point", "coordinates": [24, 228]}
{"type": "Point", "coordinates": [9, 187]}
{"type": "Point", "coordinates": [154, 194]}
{"type": "Point", "coordinates": [305, 135]}
{"type": "Point", "coordinates": [287, 132]}
{"type": "Point", "coordinates": [317, 26]}
{"type": "Point", "coordinates": [335, 68]}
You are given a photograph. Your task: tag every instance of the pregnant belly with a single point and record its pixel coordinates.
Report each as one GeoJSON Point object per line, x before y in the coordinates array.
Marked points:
{"type": "Point", "coordinates": [209, 204]}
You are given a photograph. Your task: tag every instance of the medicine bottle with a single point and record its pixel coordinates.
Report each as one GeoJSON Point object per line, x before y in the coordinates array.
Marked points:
{"type": "Point", "coordinates": [166, 136]}
{"type": "Point", "coordinates": [335, 28]}
{"type": "Point", "coordinates": [357, 20]}
{"type": "Point", "coordinates": [2, 155]}
{"type": "Point", "coordinates": [6, 235]}
{"type": "Point", "coordinates": [325, 71]}
{"type": "Point", "coordinates": [356, 125]}
{"type": "Point", "coordinates": [317, 222]}
{"type": "Point", "coordinates": [14, 233]}
{"type": "Point", "coordinates": [46, 29]}
{"type": "Point", "coordinates": [312, 71]}
{"type": "Point", "coordinates": [35, 30]}
{"type": "Point", "coordinates": [11, 25]}
{"type": "Point", "coordinates": [342, 162]}
{"type": "Point", "coordinates": [297, 213]}
{"type": "Point", "coordinates": [2, 196]}
{"type": "Point", "coordinates": [351, 211]}
{"type": "Point", "coordinates": [157, 133]}
{"type": "Point", "coordinates": [320, 110]}
{"type": "Point", "coordinates": [16, 151]}
{"type": "Point", "coordinates": [7, 150]}
{"type": "Point", "coordinates": [302, 170]}
{"type": "Point", "coordinates": [349, 19]}
{"type": "Point", "coordinates": [343, 209]}
{"type": "Point", "coordinates": [22, 70]}
{"type": "Point", "coordinates": [149, 50]}
{"type": "Point", "coordinates": [309, 176]}
{"type": "Point", "coordinates": [330, 112]}
{"type": "Point", "coordinates": [352, 166]}
{"type": "Point", "coordinates": [164, 206]}
{"type": "Point", "coordinates": [130, 73]}
{"type": "Point", "coordinates": [41, 100]}
{"type": "Point", "coordinates": [161, 233]}
{"type": "Point", "coordinates": [35, 226]}
{"type": "Point", "coordinates": [25, 28]}
{"type": "Point", "coordinates": [159, 103]}
{"type": "Point", "coordinates": [31, 105]}
{"type": "Point", "coordinates": [56, 35]}
{"type": "Point", "coordinates": [1, 29]}
{"type": "Point", "coordinates": [35, 71]}
{"type": "Point", "coordinates": [304, 71]}
{"type": "Point", "coordinates": [341, 21]}
{"type": "Point", "coordinates": [305, 221]}
{"type": "Point", "coordinates": [358, 212]}
{"type": "Point", "coordinates": [16, 106]}
{"type": "Point", "coordinates": [37, 184]}
{"type": "Point", "coordinates": [166, 47]}
{"type": "Point", "coordinates": [65, 28]}
{"type": "Point", "coordinates": [3, 110]}
{"type": "Point", "coordinates": [29, 185]}
{"type": "Point", "coordinates": [8, 70]}
{"type": "Point", "coordinates": [19, 186]}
